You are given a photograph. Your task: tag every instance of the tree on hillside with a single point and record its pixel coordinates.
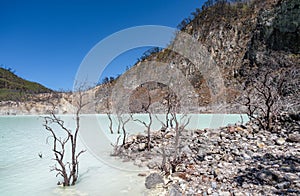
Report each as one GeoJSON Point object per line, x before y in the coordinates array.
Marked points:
{"type": "Point", "coordinates": [107, 80]}
{"type": "Point", "coordinates": [148, 53]}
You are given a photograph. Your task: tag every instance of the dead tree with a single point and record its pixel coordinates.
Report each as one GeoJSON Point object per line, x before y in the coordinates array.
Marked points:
{"type": "Point", "coordinates": [104, 102]}
{"type": "Point", "coordinates": [124, 121]}
{"type": "Point", "coordinates": [170, 99]}
{"type": "Point", "coordinates": [146, 109]}
{"type": "Point", "coordinates": [260, 99]}
{"type": "Point", "coordinates": [164, 129]}
{"type": "Point", "coordinates": [172, 103]}
{"type": "Point", "coordinates": [180, 124]}
{"type": "Point", "coordinates": [119, 123]}
{"type": "Point", "coordinates": [67, 169]}
{"type": "Point", "coordinates": [265, 94]}
{"type": "Point", "coordinates": [116, 147]}
{"type": "Point", "coordinates": [108, 113]}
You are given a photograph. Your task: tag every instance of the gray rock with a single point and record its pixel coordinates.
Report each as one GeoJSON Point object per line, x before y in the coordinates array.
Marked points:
{"type": "Point", "coordinates": [186, 150]}
{"type": "Point", "coordinates": [213, 185]}
{"type": "Point", "coordinates": [283, 185]}
{"type": "Point", "coordinates": [134, 148]}
{"type": "Point", "coordinates": [246, 156]}
{"type": "Point", "coordinates": [267, 177]}
{"type": "Point", "coordinates": [174, 191]}
{"type": "Point", "coordinates": [201, 155]}
{"type": "Point", "coordinates": [138, 162]}
{"type": "Point", "coordinates": [236, 152]}
{"type": "Point", "coordinates": [152, 165]}
{"type": "Point", "coordinates": [153, 179]}
{"type": "Point", "coordinates": [294, 137]}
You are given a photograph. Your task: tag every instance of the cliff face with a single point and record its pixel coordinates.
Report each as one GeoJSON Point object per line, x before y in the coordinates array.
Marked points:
{"type": "Point", "coordinates": [249, 35]}
{"type": "Point", "coordinates": [39, 104]}
{"type": "Point", "coordinates": [242, 39]}
{"type": "Point", "coordinates": [276, 39]}
{"type": "Point", "coordinates": [279, 28]}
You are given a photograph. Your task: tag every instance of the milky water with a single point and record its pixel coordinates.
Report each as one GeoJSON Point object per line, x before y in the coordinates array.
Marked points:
{"type": "Point", "coordinates": [22, 171]}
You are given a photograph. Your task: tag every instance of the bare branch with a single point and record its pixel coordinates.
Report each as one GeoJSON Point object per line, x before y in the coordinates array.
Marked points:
{"type": "Point", "coordinates": [147, 125]}
{"type": "Point", "coordinates": [68, 170]}
{"type": "Point", "coordinates": [266, 94]}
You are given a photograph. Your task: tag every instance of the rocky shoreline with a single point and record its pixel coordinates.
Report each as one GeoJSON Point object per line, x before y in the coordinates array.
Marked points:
{"type": "Point", "coordinates": [234, 160]}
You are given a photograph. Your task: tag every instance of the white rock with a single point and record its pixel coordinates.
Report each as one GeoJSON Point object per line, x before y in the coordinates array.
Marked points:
{"type": "Point", "coordinates": [280, 141]}
{"type": "Point", "coordinates": [224, 193]}
{"type": "Point", "coordinates": [141, 146]}
{"type": "Point", "coordinates": [209, 191]}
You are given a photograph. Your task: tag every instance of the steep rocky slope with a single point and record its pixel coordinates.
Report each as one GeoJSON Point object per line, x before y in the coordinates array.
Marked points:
{"type": "Point", "coordinates": [242, 39]}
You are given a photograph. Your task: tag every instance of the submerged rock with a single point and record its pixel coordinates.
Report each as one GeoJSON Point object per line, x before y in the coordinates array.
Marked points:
{"type": "Point", "coordinates": [153, 179]}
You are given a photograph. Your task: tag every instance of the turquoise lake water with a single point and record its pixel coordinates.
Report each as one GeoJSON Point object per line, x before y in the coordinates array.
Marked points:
{"type": "Point", "coordinates": [22, 171]}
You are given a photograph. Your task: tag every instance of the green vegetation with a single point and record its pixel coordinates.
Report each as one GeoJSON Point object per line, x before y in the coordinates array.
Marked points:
{"type": "Point", "coordinates": [15, 88]}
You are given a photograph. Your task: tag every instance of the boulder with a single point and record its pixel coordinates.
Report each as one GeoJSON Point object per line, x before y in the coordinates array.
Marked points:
{"type": "Point", "coordinates": [141, 146]}
{"type": "Point", "coordinates": [174, 191]}
{"type": "Point", "coordinates": [153, 179]}
{"type": "Point", "coordinates": [280, 141]}
{"type": "Point", "coordinates": [294, 137]}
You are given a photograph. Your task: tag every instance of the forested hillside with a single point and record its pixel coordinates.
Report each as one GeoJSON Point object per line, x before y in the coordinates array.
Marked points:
{"type": "Point", "coordinates": [14, 88]}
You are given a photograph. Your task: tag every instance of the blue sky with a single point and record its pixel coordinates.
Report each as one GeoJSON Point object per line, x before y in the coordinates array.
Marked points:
{"type": "Point", "coordinates": [45, 41]}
